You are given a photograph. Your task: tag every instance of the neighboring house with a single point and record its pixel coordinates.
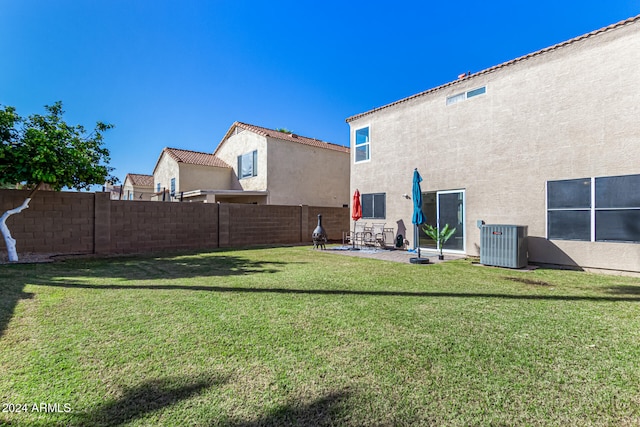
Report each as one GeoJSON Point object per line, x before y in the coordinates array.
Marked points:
{"type": "Point", "coordinates": [179, 172]}
{"type": "Point", "coordinates": [256, 165]}
{"type": "Point", "coordinates": [137, 187]}
{"type": "Point", "coordinates": [114, 190]}
{"type": "Point", "coordinates": [550, 140]}
{"type": "Point", "coordinates": [288, 169]}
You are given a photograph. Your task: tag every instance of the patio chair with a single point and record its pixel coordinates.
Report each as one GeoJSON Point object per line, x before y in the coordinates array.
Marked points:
{"type": "Point", "coordinates": [356, 237]}
{"type": "Point", "coordinates": [377, 234]}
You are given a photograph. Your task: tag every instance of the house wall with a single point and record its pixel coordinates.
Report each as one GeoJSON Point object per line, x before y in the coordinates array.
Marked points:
{"type": "Point", "coordinates": [139, 192]}
{"type": "Point", "coordinates": [302, 174]}
{"type": "Point", "coordinates": [90, 223]}
{"type": "Point", "coordinates": [166, 169]}
{"type": "Point", "coordinates": [189, 177]}
{"type": "Point", "coordinates": [571, 112]}
{"type": "Point", "coordinates": [239, 144]}
{"type": "Point", "coordinates": [199, 177]}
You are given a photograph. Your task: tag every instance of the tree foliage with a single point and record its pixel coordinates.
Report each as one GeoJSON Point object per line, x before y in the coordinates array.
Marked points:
{"type": "Point", "coordinates": [45, 149]}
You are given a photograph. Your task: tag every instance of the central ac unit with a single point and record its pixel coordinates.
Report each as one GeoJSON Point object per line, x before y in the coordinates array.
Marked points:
{"type": "Point", "coordinates": [503, 245]}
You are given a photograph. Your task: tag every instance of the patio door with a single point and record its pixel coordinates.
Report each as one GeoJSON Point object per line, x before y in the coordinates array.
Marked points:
{"type": "Point", "coordinates": [440, 208]}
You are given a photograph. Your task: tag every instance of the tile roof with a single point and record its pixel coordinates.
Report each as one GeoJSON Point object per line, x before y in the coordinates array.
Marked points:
{"type": "Point", "coordinates": [140, 179]}
{"type": "Point", "coordinates": [504, 64]}
{"type": "Point", "coordinates": [195, 157]}
{"type": "Point", "coordinates": [272, 133]}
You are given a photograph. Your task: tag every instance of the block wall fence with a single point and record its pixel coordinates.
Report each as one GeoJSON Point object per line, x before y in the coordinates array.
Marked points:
{"type": "Point", "coordinates": [92, 223]}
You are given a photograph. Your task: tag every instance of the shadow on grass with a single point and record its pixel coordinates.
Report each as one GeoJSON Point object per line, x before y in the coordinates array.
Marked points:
{"type": "Point", "coordinates": [147, 397]}
{"type": "Point", "coordinates": [13, 278]}
{"type": "Point", "coordinates": [10, 294]}
{"type": "Point", "coordinates": [178, 267]}
{"type": "Point", "coordinates": [239, 289]}
{"type": "Point", "coordinates": [329, 410]}
{"type": "Point", "coordinates": [625, 290]}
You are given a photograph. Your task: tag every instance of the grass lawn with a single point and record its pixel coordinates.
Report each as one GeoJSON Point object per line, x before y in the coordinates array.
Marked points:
{"type": "Point", "coordinates": [292, 336]}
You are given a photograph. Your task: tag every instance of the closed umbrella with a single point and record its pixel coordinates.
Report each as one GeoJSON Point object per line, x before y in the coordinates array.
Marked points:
{"type": "Point", "coordinates": [418, 216]}
{"type": "Point", "coordinates": [356, 214]}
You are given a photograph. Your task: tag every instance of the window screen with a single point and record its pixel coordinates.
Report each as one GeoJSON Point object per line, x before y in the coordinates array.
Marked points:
{"type": "Point", "coordinates": [374, 206]}
{"type": "Point", "coordinates": [569, 194]}
{"type": "Point", "coordinates": [618, 192]}
{"type": "Point", "coordinates": [569, 209]}
{"type": "Point", "coordinates": [569, 225]}
{"type": "Point", "coordinates": [610, 214]}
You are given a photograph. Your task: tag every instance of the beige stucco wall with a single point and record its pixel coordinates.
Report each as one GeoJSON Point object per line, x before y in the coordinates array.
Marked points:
{"type": "Point", "coordinates": [190, 177]}
{"type": "Point", "coordinates": [166, 169]}
{"type": "Point", "coordinates": [302, 174]}
{"type": "Point", "coordinates": [139, 192]}
{"type": "Point", "coordinates": [198, 177]}
{"type": "Point", "coordinates": [239, 144]}
{"type": "Point", "coordinates": [569, 113]}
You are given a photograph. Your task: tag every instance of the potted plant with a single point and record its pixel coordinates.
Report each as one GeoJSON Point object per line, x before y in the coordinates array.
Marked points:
{"type": "Point", "coordinates": [440, 237]}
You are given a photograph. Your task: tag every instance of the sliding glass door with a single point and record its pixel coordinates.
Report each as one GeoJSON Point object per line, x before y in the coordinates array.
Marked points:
{"type": "Point", "coordinates": [440, 208]}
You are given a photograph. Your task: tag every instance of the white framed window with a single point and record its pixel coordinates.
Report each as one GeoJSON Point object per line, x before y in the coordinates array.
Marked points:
{"type": "Point", "coordinates": [157, 187]}
{"type": "Point", "coordinates": [173, 187]}
{"type": "Point", "coordinates": [362, 145]}
{"type": "Point", "coordinates": [602, 209]}
{"type": "Point", "coordinates": [458, 97]}
{"type": "Point", "coordinates": [248, 165]}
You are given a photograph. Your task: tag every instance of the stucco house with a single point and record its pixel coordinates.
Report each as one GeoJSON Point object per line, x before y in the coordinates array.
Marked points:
{"type": "Point", "coordinates": [137, 187]}
{"type": "Point", "coordinates": [253, 164]}
{"type": "Point", "coordinates": [179, 171]}
{"type": "Point", "coordinates": [550, 140]}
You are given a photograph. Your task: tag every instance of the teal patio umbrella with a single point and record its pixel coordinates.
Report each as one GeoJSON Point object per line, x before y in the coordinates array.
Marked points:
{"type": "Point", "coordinates": [418, 216]}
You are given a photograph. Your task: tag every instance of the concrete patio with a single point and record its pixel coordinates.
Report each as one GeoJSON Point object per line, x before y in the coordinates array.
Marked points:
{"type": "Point", "coordinates": [395, 255]}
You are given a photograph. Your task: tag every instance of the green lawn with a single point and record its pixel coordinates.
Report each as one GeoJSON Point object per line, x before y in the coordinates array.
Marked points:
{"type": "Point", "coordinates": [292, 336]}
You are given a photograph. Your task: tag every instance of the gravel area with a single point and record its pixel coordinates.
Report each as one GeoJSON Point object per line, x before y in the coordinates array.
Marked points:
{"type": "Point", "coordinates": [26, 258]}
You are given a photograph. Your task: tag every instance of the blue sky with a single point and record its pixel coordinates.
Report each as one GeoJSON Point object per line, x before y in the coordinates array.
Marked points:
{"type": "Point", "coordinates": [179, 73]}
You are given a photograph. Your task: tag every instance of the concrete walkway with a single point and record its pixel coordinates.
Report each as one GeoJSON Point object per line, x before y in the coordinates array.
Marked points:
{"type": "Point", "coordinates": [395, 255]}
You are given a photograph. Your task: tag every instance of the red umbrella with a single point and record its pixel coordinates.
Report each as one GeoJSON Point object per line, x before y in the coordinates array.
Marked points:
{"type": "Point", "coordinates": [356, 207]}
{"type": "Point", "coordinates": [356, 214]}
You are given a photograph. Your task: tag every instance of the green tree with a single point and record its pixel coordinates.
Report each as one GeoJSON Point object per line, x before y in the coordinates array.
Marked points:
{"type": "Point", "coordinates": [44, 149]}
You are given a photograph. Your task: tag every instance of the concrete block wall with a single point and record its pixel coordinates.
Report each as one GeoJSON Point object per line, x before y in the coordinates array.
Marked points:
{"type": "Point", "coordinates": [54, 222]}
{"type": "Point", "coordinates": [91, 223]}
{"type": "Point", "coordinates": [334, 220]}
{"type": "Point", "coordinates": [148, 226]}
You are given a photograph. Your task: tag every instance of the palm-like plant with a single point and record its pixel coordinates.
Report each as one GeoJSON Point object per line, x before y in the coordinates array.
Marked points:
{"type": "Point", "coordinates": [440, 236]}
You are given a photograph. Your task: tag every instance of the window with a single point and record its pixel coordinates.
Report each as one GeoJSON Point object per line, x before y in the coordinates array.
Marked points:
{"type": "Point", "coordinates": [362, 145]}
{"type": "Point", "coordinates": [569, 209]}
{"type": "Point", "coordinates": [466, 95]}
{"type": "Point", "coordinates": [476, 92]}
{"type": "Point", "coordinates": [605, 209]}
{"type": "Point", "coordinates": [173, 187]}
{"type": "Point", "coordinates": [248, 165]}
{"type": "Point", "coordinates": [157, 187]}
{"type": "Point", "coordinates": [374, 206]}
{"type": "Point", "coordinates": [617, 216]}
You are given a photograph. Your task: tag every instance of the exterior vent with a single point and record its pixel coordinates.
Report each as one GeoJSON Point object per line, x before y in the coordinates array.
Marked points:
{"type": "Point", "coordinates": [503, 245]}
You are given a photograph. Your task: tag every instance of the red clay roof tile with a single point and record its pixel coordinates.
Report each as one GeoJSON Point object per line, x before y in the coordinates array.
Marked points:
{"type": "Point", "coordinates": [272, 133]}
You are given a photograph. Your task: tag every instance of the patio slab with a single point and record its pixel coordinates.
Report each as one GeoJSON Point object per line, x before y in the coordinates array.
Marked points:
{"type": "Point", "coordinates": [395, 255]}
